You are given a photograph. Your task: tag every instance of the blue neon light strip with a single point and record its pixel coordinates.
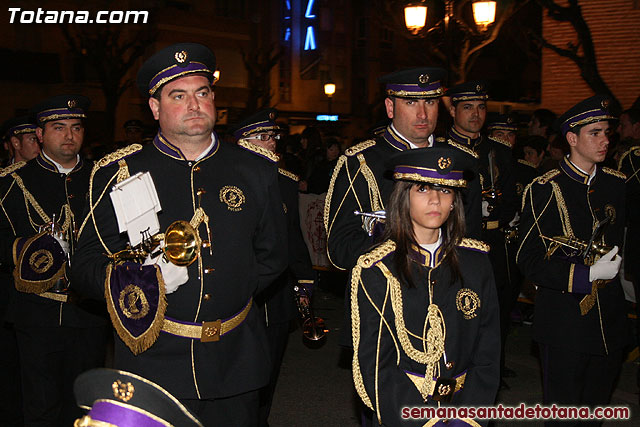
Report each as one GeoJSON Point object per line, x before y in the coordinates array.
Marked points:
{"type": "Point", "coordinates": [308, 13]}
{"type": "Point", "coordinates": [310, 40]}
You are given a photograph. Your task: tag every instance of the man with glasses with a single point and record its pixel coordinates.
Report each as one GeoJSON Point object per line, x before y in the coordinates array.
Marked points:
{"type": "Point", "coordinates": [258, 134]}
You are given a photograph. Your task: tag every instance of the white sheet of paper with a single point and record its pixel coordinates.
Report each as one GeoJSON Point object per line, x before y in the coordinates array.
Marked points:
{"type": "Point", "coordinates": [136, 205]}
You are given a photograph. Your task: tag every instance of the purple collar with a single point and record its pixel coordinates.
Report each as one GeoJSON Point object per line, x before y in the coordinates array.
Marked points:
{"type": "Point", "coordinates": [395, 140]}
{"type": "Point", "coordinates": [423, 256]}
{"type": "Point", "coordinates": [167, 148]}
{"type": "Point", "coordinates": [573, 172]}
{"type": "Point", "coordinates": [50, 166]}
{"type": "Point", "coordinates": [456, 136]}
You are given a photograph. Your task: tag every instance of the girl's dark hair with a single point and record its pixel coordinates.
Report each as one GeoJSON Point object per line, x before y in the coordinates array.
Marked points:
{"type": "Point", "coordinates": [399, 228]}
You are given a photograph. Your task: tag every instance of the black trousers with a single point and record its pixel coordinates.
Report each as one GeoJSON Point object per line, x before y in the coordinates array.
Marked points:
{"type": "Point", "coordinates": [50, 361]}
{"type": "Point", "coordinates": [278, 336]}
{"type": "Point", "coordinates": [10, 389]}
{"type": "Point", "coordinates": [235, 411]}
{"type": "Point", "coordinates": [578, 379]}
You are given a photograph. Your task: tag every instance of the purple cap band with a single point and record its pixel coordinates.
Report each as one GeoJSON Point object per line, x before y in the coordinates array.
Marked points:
{"type": "Point", "coordinates": [427, 173]}
{"type": "Point", "coordinates": [413, 89]}
{"type": "Point", "coordinates": [587, 117]}
{"type": "Point", "coordinates": [60, 113]}
{"type": "Point", "coordinates": [120, 414]}
{"type": "Point", "coordinates": [174, 71]}
{"type": "Point", "coordinates": [20, 129]}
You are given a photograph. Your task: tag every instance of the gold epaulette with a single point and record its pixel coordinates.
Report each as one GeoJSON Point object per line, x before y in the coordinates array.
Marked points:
{"type": "Point", "coordinates": [11, 169]}
{"type": "Point", "coordinates": [117, 155]}
{"type": "Point", "coordinates": [615, 173]}
{"type": "Point", "coordinates": [524, 162]}
{"type": "Point", "coordinates": [636, 152]}
{"type": "Point", "coordinates": [288, 174]}
{"type": "Point", "coordinates": [376, 254]}
{"type": "Point", "coordinates": [500, 141]}
{"type": "Point", "coordinates": [543, 179]}
{"type": "Point", "coordinates": [474, 244]}
{"type": "Point", "coordinates": [352, 151]}
{"type": "Point", "coordinates": [259, 150]}
{"type": "Point", "coordinates": [463, 148]}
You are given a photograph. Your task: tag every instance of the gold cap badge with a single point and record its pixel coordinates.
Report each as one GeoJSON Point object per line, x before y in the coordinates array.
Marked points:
{"type": "Point", "coordinates": [479, 88]}
{"type": "Point", "coordinates": [181, 56]}
{"type": "Point", "coordinates": [72, 103]}
{"type": "Point", "coordinates": [444, 163]}
{"type": "Point", "coordinates": [122, 391]}
{"type": "Point", "coordinates": [423, 78]}
{"type": "Point", "coordinates": [605, 103]}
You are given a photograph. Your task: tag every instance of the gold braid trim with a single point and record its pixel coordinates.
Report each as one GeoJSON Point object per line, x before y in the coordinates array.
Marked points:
{"type": "Point", "coordinates": [374, 192]}
{"type": "Point", "coordinates": [474, 244]}
{"type": "Point", "coordinates": [547, 176]}
{"type": "Point", "coordinates": [463, 148]}
{"type": "Point", "coordinates": [352, 151]}
{"type": "Point", "coordinates": [624, 155]}
{"type": "Point", "coordinates": [526, 163]}
{"type": "Point", "coordinates": [614, 172]}
{"type": "Point", "coordinates": [500, 141]}
{"type": "Point", "coordinates": [365, 261]}
{"type": "Point", "coordinates": [288, 174]}
{"type": "Point", "coordinates": [122, 174]}
{"type": "Point", "coordinates": [258, 150]}
{"type": "Point", "coordinates": [562, 210]}
{"type": "Point", "coordinates": [141, 343]}
{"type": "Point", "coordinates": [11, 169]}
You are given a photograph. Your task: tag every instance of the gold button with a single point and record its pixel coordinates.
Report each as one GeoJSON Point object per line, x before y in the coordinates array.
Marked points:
{"type": "Point", "coordinates": [206, 243]}
{"type": "Point", "coordinates": [196, 169]}
{"type": "Point", "coordinates": [201, 191]}
{"type": "Point", "coordinates": [209, 270]}
{"type": "Point", "coordinates": [68, 178]}
{"type": "Point", "coordinates": [70, 196]}
{"type": "Point", "coordinates": [207, 297]}
{"type": "Point", "coordinates": [449, 365]}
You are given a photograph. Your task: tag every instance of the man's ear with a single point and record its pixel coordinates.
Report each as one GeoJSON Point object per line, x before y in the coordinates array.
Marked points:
{"type": "Point", "coordinates": [154, 104]}
{"type": "Point", "coordinates": [39, 132]}
{"type": "Point", "coordinates": [388, 104]}
{"type": "Point", "coordinates": [452, 111]}
{"type": "Point", "coordinates": [15, 142]}
{"type": "Point", "coordinates": [572, 139]}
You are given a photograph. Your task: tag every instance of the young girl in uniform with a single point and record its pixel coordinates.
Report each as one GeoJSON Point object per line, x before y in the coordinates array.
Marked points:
{"type": "Point", "coordinates": [424, 308]}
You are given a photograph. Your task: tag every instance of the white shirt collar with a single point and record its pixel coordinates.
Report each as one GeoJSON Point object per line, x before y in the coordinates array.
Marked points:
{"type": "Point", "coordinates": [433, 247]}
{"type": "Point", "coordinates": [411, 144]}
{"type": "Point", "coordinates": [61, 168]}
{"type": "Point", "coordinates": [206, 150]}
{"type": "Point", "coordinates": [591, 175]}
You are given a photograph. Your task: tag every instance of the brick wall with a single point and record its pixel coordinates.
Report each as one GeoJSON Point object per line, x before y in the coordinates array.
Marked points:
{"type": "Point", "coordinates": [615, 29]}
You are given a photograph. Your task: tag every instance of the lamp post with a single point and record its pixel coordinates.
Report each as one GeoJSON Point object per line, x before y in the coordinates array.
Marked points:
{"type": "Point", "coordinates": [415, 14]}
{"type": "Point", "coordinates": [329, 90]}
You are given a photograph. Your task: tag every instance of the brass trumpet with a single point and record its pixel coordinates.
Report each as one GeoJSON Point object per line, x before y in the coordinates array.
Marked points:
{"type": "Point", "coordinates": [589, 251]}
{"type": "Point", "coordinates": [181, 245]}
{"type": "Point", "coordinates": [313, 328]}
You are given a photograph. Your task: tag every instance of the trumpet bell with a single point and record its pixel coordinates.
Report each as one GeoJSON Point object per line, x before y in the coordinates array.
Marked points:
{"type": "Point", "coordinates": [182, 246]}
{"type": "Point", "coordinates": [314, 332]}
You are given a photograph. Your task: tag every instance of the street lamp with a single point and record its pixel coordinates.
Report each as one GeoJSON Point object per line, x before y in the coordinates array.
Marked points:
{"type": "Point", "coordinates": [415, 14]}
{"type": "Point", "coordinates": [329, 90]}
{"type": "Point", "coordinates": [415, 17]}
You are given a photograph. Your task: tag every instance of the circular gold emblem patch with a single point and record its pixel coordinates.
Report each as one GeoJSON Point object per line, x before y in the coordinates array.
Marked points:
{"type": "Point", "coordinates": [423, 78]}
{"type": "Point", "coordinates": [181, 56]}
{"type": "Point", "coordinates": [41, 261]}
{"type": "Point", "coordinates": [509, 120]}
{"type": "Point", "coordinates": [610, 211]}
{"type": "Point", "coordinates": [479, 88]}
{"type": "Point", "coordinates": [233, 197]}
{"type": "Point", "coordinates": [122, 391]}
{"type": "Point", "coordinates": [467, 301]}
{"type": "Point", "coordinates": [71, 103]}
{"type": "Point", "coordinates": [605, 103]}
{"type": "Point", "coordinates": [444, 389]}
{"type": "Point", "coordinates": [519, 188]}
{"type": "Point", "coordinates": [133, 302]}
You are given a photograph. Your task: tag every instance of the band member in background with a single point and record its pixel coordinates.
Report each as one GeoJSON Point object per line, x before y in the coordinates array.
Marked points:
{"type": "Point", "coordinates": [425, 312]}
{"type": "Point", "coordinates": [21, 135]}
{"type": "Point", "coordinates": [580, 316]}
{"type": "Point", "coordinates": [258, 134]}
{"type": "Point", "coordinates": [188, 324]}
{"type": "Point", "coordinates": [43, 202]}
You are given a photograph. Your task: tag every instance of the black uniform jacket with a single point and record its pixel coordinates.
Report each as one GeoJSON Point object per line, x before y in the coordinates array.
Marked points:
{"type": "Point", "coordinates": [278, 300]}
{"type": "Point", "coordinates": [389, 321]}
{"type": "Point", "coordinates": [359, 182]}
{"type": "Point", "coordinates": [239, 193]}
{"type": "Point", "coordinates": [472, 195]}
{"type": "Point", "coordinates": [629, 164]}
{"type": "Point", "coordinates": [51, 190]}
{"type": "Point", "coordinates": [503, 176]}
{"type": "Point", "coordinates": [525, 172]}
{"type": "Point", "coordinates": [561, 203]}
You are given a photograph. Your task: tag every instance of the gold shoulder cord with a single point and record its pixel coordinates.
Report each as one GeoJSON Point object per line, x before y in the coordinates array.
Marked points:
{"type": "Point", "coordinates": [121, 174]}
{"type": "Point", "coordinates": [375, 199]}
{"type": "Point", "coordinates": [367, 261]}
{"type": "Point", "coordinates": [6, 214]}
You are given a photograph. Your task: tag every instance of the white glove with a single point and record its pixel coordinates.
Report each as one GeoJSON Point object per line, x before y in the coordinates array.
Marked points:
{"type": "Point", "coordinates": [63, 243]}
{"type": "Point", "coordinates": [173, 275]}
{"type": "Point", "coordinates": [607, 267]}
{"type": "Point", "coordinates": [485, 209]}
